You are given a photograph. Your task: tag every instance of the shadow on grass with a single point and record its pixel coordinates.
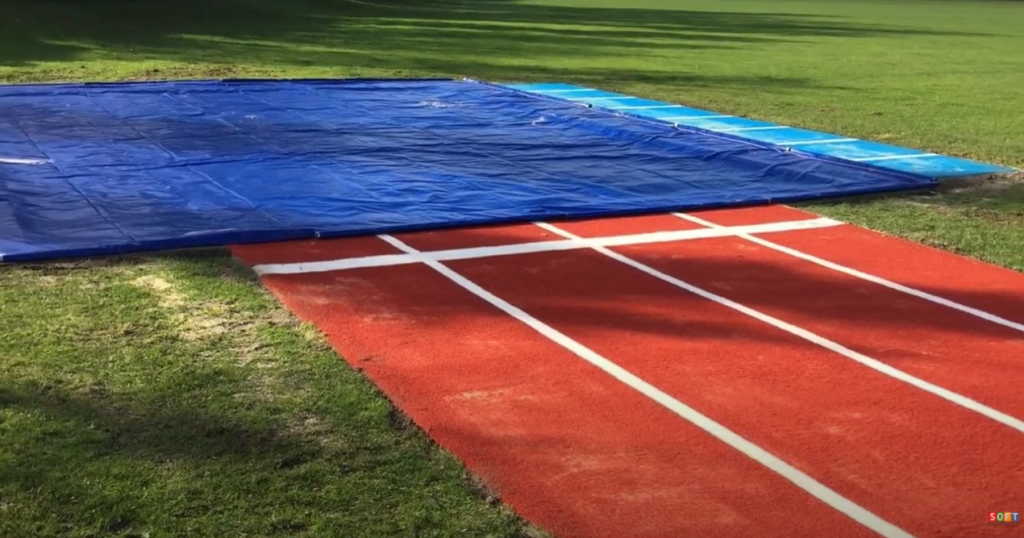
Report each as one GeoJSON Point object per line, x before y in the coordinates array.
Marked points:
{"type": "Point", "coordinates": [493, 39]}
{"type": "Point", "coordinates": [110, 461]}
{"type": "Point", "coordinates": [90, 444]}
{"type": "Point", "coordinates": [166, 427]}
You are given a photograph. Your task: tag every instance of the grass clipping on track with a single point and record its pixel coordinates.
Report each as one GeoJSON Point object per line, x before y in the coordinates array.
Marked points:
{"type": "Point", "coordinates": [172, 396]}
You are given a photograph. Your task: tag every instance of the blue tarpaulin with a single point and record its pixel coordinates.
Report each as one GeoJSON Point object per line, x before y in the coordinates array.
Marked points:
{"type": "Point", "coordinates": [91, 169]}
{"type": "Point", "coordinates": [886, 156]}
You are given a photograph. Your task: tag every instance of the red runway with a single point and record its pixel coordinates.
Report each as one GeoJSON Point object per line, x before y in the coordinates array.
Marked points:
{"type": "Point", "coordinates": [754, 372]}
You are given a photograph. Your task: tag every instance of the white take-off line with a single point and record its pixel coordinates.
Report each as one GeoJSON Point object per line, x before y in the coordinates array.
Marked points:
{"type": "Point", "coordinates": [715, 429]}
{"type": "Point", "coordinates": [809, 336]}
{"type": "Point", "coordinates": [987, 316]}
{"type": "Point", "coordinates": [386, 260]}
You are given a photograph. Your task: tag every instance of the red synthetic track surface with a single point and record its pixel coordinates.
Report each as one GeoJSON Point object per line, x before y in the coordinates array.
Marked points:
{"type": "Point", "coordinates": [583, 454]}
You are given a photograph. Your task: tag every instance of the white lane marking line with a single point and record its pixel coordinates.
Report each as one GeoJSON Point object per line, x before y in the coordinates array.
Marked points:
{"type": "Point", "coordinates": [742, 129]}
{"type": "Point", "coordinates": [719, 431]}
{"type": "Point", "coordinates": [864, 276]}
{"type": "Point", "coordinates": [821, 341]}
{"type": "Point", "coordinates": [16, 160]}
{"type": "Point", "coordinates": [616, 98]}
{"type": "Point", "coordinates": [566, 90]}
{"type": "Point", "coordinates": [812, 142]}
{"type": "Point", "coordinates": [385, 260]}
{"type": "Point", "coordinates": [686, 118]}
{"type": "Point", "coordinates": [893, 157]}
{"type": "Point", "coordinates": [646, 107]}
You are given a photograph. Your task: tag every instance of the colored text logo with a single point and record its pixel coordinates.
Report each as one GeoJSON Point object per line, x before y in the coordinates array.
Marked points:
{"type": "Point", "coordinates": [1004, 518]}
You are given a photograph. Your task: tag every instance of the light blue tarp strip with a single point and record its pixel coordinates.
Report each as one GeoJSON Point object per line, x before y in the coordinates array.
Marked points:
{"type": "Point", "coordinates": [824, 144]}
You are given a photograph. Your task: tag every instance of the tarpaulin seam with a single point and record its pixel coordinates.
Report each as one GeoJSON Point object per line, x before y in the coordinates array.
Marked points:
{"type": "Point", "coordinates": [175, 158]}
{"type": "Point", "coordinates": [580, 120]}
{"type": "Point", "coordinates": [577, 120]}
{"type": "Point", "coordinates": [71, 184]}
{"type": "Point", "coordinates": [244, 133]}
{"type": "Point", "coordinates": [406, 159]}
{"type": "Point", "coordinates": [332, 128]}
{"type": "Point", "coordinates": [480, 153]}
{"type": "Point", "coordinates": [315, 232]}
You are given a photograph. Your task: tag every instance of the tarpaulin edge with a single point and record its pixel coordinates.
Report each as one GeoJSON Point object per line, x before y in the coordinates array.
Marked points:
{"type": "Point", "coordinates": [273, 236]}
{"type": "Point", "coordinates": [866, 166]}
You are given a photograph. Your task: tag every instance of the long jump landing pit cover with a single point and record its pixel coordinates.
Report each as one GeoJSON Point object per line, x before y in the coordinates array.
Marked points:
{"type": "Point", "coordinates": [93, 169]}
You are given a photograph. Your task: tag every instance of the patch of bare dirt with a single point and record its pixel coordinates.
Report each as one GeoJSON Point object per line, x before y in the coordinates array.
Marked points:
{"type": "Point", "coordinates": [198, 320]}
{"type": "Point", "coordinates": [201, 320]}
{"type": "Point", "coordinates": [993, 183]}
{"type": "Point", "coordinates": [310, 428]}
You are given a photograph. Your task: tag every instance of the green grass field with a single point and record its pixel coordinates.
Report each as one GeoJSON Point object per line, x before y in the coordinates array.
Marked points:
{"type": "Point", "coordinates": [170, 395]}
